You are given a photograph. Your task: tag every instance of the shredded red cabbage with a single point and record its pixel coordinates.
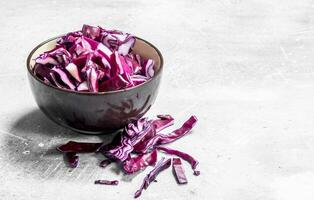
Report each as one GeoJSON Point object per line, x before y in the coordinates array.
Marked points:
{"type": "Point", "coordinates": [106, 182]}
{"type": "Point", "coordinates": [151, 176]}
{"type": "Point", "coordinates": [79, 147]}
{"type": "Point", "coordinates": [193, 162]}
{"type": "Point", "coordinates": [141, 137]}
{"type": "Point", "coordinates": [178, 171]}
{"type": "Point", "coordinates": [105, 163]}
{"type": "Point", "coordinates": [136, 147]}
{"type": "Point", "coordinates": [152, 140]}
{"type": "Point", "coordinates": [94, 60]}
{"type": "Point", "coordinates": [118, 150]}
{"type": "Point", "coordinates": [196, 173]}
{"type": "Point", "coordinates": [73, 159]}
{"type": "Point", "coordinates": [140, 162]}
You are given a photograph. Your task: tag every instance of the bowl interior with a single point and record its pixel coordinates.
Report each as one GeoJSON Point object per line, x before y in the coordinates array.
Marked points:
{"type": "Point", "coordinates": [141, 47]}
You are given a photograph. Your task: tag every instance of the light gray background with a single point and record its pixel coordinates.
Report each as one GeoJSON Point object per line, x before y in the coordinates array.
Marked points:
{"type": "Point", "coordinates": [245, 68]}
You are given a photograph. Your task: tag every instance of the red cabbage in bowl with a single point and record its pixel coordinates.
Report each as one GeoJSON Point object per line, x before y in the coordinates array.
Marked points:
{"type": "Point", "coordinates": [94, 60]}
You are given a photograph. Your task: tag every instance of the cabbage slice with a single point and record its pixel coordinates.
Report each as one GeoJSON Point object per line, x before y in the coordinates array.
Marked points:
{"type": "Point", "coordinates": [178, 171]}
{"type": "Point", "coordinates": [73, 159]}
{"type": "Point", "coordinates": [140, 162]}
{"type": "Point", "coordinates": [151, 176]}
{"type": "Point", "coordinates": [193, 162]}
{"type": "Point", "coordinates": [107, 182]}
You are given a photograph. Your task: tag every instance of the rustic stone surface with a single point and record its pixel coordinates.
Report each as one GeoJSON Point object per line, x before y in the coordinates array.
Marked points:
{"type": "Point", "coordinates": [244, 68]}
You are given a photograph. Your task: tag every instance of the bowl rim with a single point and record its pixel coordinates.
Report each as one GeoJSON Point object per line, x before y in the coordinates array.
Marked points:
{"type": "Point", "coordinates": [92, 93]}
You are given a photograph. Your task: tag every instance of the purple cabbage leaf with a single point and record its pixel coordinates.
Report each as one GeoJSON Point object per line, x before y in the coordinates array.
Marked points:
{"type": "Point", "coordinates": [151, 176]}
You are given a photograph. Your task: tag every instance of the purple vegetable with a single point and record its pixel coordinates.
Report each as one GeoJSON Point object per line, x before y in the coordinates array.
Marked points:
{"type": "Point", "coordinates": [47, 81]}
{"type": "Point", "coordinates": [151, 176]}
{"type": "Point", "coordinates": [105, 163]}
{"type": "Point", "coordinates": [140, 162]}
{"type": "Point", "coordinates": [131, 60]}
{"type": "Point", "coordinates": [136, 146]}
{"type": "Point", "coordinates": [91, 32]}
{"type": "Point", "coordinates": [134, 129]}
{"type": "Point", "coordinates": [149, 68]}
{"type": "Point", "coordinates": [56, 80]}
{"type": "Point", "coordinates": [178, 171]}
{"type": "Point", "coordinates": [196, 173]}
{"type": "Point", "coordinates": [56, 56]}
{"type": "Point", "coordinates": [106, 182]}
{"type": "Point", "coordinates": [129, 140]}
{"type": "Point", "coordinates": [193, 162]}
{"type": "Point", "coordinates": [138, 79]}
{"type": "Point", "coordinates": [64, 77]}
{"type": "Point", "coordinates": [46, 59]}
{"type": "Point", "coordinates": [94, 45]}
{"type": "Point", "coordinates": [79, 147]}
{"type": "Point", "coordinates": [116, 82]}
{"type": "Point", "coordinates": [121, 67]}
{"type": "Point", "coordinates": [72, 158]}
{"type": "Point", "coordinates": [146, 130]}
{"type": "Point", "coordinates": [118, 150]}
{"type": "Point", "coordinates": [117, 40]}
{"type": "Point", "coordinates": [73, 70]}
{"type": "Point", "coordinates": [94, 60]}
{"type": "Point", "coordinates": [92, 80]}
{"type": "Point", "coordinates": [42, 72]}
{"type": "Point", "coordinates": [159, 138]}
{"type": "Point", "coordinates": [163, 122]}
{"type": "Point", "coordinates": [141, 137]}
{"type": "Point", "coordinates": [82, 86]}
{"type": "Point", "coordinates": [69, 39]}
{"type": "Point", "coordinates": [126, 45]}
{"type": "Point", "coordinates": [186, 127]}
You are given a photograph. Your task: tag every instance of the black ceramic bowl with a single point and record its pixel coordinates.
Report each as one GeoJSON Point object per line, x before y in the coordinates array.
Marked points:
{"type": "Point", "coordinates": [101, 112]}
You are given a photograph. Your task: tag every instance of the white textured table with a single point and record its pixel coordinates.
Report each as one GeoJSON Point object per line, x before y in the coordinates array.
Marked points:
{"type": "Point", "coordinates": [245, 68]}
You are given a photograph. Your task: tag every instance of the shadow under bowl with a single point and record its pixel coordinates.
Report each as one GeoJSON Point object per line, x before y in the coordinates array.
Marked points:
{"type": "Point", "coordinates": [96, 113]}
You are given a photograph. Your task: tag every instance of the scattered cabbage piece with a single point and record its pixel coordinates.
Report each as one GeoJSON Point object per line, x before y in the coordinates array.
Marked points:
{"type": "Point", "coordinates": [73, 159]}
{"type": "Point", "coordinates": [105, 163]}
{"type": "Point", "coordinates": [193, 162]}
{"type": "Point", "coordinates": [196, 172]}
{"type": "Point", "coordinates": [124, 143]}
{"type": "Point", "coordinates": [94, 60]}
{"type": "Point", "coordinates": [136, 147]}
{"type": "Point", "coordinates": [107, 182]}
{"type": "Point", "coordinates": [151, 176]}
{"type": "Point", "coordinates": [160, 138]}
{"type": "Point", "coordinates": [143, 135]}
{"type": "Point", "coordinates": [118, 150]}
{"type": "Point", "coordinates": [163, 122]}
{"type": "Point", "coordinates": [140, 162]}
{"type": "Point", "coordinates": [178, 171]}
{"type": "Point", "coordinates": [79, 147]}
